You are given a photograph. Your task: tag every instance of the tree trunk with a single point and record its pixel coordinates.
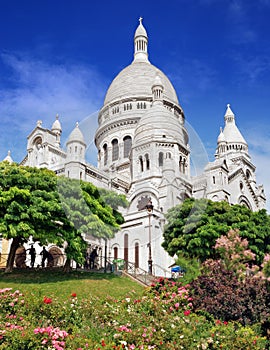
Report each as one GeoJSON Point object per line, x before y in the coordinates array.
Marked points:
{"type": "Point", "coordinates": [67, 267]}
{"type": "Point", "coordinates": [12, 252]}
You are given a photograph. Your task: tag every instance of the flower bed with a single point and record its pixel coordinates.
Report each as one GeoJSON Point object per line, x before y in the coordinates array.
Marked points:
{"type": "Point", "coordinates": [162, 319]}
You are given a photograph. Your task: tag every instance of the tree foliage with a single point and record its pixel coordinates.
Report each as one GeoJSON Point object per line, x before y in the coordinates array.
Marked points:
{"type": "Point", "coordinates": [36, 203]}
{"type": "Point", "coordinates": [193, 227]}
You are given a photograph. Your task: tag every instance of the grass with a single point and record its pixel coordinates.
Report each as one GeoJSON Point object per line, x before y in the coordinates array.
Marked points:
{"type": "Point", "coordinates": [56, 283]}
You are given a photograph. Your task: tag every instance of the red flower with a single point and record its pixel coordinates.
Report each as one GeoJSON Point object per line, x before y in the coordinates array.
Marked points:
{"type": "Point", "coordinates": [187, 312]}
{"type": "Point", "coordinates": [74, 295]}
{"type": "Point", "coordinates": [47, 300]}
{"type": "Point", "coordinates": [225, 322]}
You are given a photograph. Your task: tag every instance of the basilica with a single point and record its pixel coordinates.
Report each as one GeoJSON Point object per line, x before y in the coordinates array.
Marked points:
{"type": "Point", "coordinates": [143, 152]}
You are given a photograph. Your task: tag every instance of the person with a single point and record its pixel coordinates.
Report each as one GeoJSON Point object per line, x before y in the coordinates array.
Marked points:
{"type": "Point", "coordinates": [93, 256]}
{"type": "Point", "coordinates": [32, 252]}
{"type": "Point", "coordinates": [50, 260]}
{"type": "Point", "coordinates": [45, 255]}
{"type": "Point", "coordinates": [86, 262]}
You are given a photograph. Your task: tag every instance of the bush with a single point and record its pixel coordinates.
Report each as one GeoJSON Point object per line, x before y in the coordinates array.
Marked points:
{"type": "Point", "coordinates": [219, 292]}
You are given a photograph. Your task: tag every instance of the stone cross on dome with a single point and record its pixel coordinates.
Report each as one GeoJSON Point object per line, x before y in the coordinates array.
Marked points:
{"type": "Point", "coordinates": [140, 20]}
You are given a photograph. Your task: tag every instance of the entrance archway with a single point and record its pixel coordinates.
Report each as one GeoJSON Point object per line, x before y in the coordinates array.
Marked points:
{"type": "Point", "coordinates": [58, 256]}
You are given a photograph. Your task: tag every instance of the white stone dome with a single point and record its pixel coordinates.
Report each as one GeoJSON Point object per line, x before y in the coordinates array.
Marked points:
{"type": "Point", "coordinates": [136, 81]}
{"type": "Point", "coordinates": [160, 124]}
{"type": "Point", "coordinates": [221, 137]}
{"type": "Point", "coordinates": [76, 135]}
{"type": "Point", "coordinates": [56, 127]}
{"type": "Point", "coordinates": [140, 31]}
{"type": "Point", "coordinates": [231, 131]}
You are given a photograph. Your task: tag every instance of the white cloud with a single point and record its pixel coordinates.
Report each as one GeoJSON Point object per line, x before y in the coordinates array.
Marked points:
{"type": "Point", "coordinates": [39, 90]}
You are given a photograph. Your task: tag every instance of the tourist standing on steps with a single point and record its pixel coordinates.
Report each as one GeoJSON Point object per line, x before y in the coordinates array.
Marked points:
{"type": "Point", "coordinates": [32, 252]}
{"type": "Point", "coordinates": [93, 256]}
{"type": "Point", "coordinates": [46, 256]}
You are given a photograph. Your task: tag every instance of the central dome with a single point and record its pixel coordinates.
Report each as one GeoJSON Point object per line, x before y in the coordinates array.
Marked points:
{"type": "Point", "coordinates": [136, 81]}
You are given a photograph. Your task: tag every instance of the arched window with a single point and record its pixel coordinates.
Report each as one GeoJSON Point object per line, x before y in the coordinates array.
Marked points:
{"type": "Point", "coordinates": [184, 165]}
{"type": "Point", "coordinates": [105, 151]}
{"type": "Point", "coordinates": [141, 163]}
{"type": "Point", "coordinates": [115, 149]}
{"type": "Point", "coordinates": [127, 145]}
{"type": "Point", "coordinates": [115, 253]}
{"type": "Point", "coordinates": [248, 174]}
{"type": "Point", "coordinates": [160, 158]}
{"type": "Point", "coordinates": [168, 155]}
{"type": "Point", "coordinates": [136, 254]}
{"type": "Point", "coordinates": [147, 161]}
{"type": "Point", "coordinates": [126, 248]}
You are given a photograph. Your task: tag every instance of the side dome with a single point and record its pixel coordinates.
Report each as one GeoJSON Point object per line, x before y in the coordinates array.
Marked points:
{"type": "Point", "coordinates": [231, 131]}
{"type": "Point", "coordinates": [136, 81]}
{"type": "Point", "coordinates": [56, 127]}
{"type": "Point", "coordinates": [158, 123]}
{"type": "Point", "coordinates": [76, 135]}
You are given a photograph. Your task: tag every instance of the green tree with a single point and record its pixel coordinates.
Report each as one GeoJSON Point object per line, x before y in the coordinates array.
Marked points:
{"type": "Point", "coordinates": [86, 207]}
{"type": "Point", "coordinates": [29, 206]}
{"type": "Point", "coordinates": [35, 202]}
{"type": "Point", "coordinates": [193, 227]}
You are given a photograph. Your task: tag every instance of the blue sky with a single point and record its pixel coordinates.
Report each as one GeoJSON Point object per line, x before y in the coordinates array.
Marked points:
{"type": "Point", "coordinates": [59, 56]}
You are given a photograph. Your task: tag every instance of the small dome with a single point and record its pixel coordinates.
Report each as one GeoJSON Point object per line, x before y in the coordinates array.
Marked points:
{"type": "Point", "coordinates": [231, 131]}
{"type": "Point", "coordinates": [56, 125]}
{"type": "Point", "coordinates": [221, 137]}
{"type": "Point", "coordinates": [160, 124]}
{"type": "Point", "coordinates": [140, 31]}
{"type": "Point", "coordinates": [157, 81]}
{"type": "Point", "coordinates": [76, 135]}
{"type": "Point", "coordinates": [8, 158]}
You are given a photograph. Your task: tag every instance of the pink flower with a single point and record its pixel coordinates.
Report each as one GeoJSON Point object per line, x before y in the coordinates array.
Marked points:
{"type": "Point", "coordinates": [187, 312]}
{"type": "Point", "coordinates": [177, 305]}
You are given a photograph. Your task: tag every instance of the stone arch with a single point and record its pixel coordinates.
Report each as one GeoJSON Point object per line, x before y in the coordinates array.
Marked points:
{"type": "Point", "coordinates": [115, 149]}
{"type": "Point", "coordinates": [58, 256]}
{"type": "Point", "coordinates": [105, 153]}
{"type": "Point", "coordinates": [215, 198]}
{"type": "Point", "coordinates": [127, 145]}
{"type": "Point", "coordinates": [20, 257]}
{"type": "Point", "coordinates": [245, 202]}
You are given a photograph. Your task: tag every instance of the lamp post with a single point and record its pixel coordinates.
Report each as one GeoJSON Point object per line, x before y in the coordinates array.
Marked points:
{"type": "Point", "coordinates": [149, 206]}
